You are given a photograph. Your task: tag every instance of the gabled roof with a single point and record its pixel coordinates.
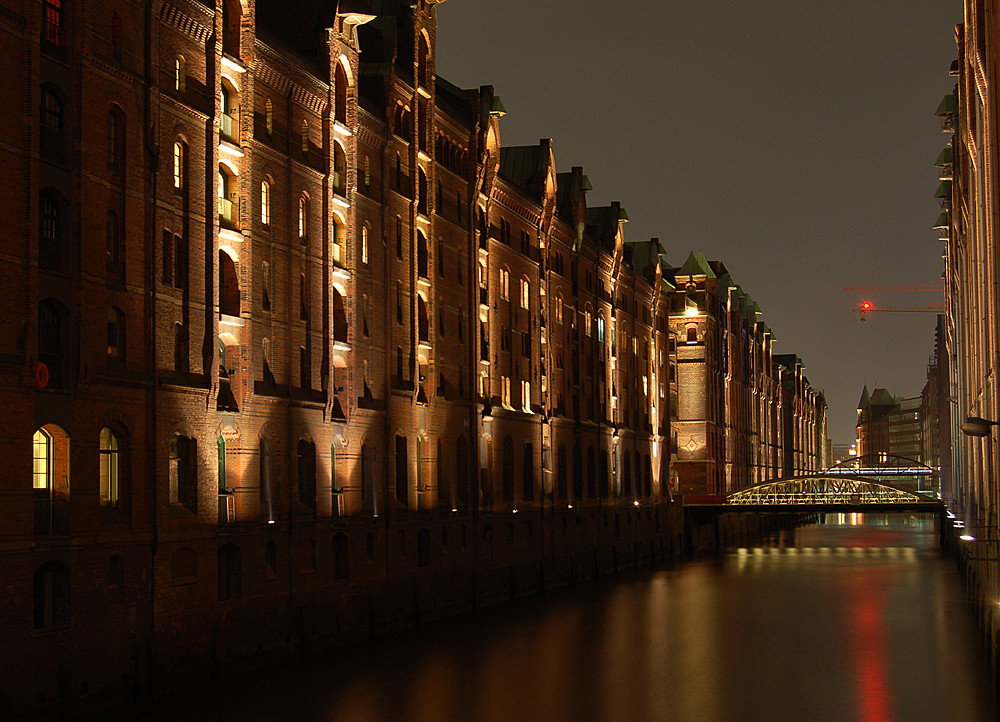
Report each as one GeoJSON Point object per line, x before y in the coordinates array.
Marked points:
{"type": "Point", "coordinates": [865, 401]}
{"type": "Point", "coordinates": [696, 265]}
{"type": "Point", "coordinates": [882, 397]}
{"type": "Point", "coordinates": [524, 166]}
{"type": "Point", "coordinates": [645, 256]}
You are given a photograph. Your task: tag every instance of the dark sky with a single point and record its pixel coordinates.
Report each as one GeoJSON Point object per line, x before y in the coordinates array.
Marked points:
{"type": "Point", "coordinates": [794, 140]}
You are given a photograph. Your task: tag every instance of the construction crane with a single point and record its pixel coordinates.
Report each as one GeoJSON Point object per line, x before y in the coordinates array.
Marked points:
{"type": "Point", "coordinates": [867, 307]}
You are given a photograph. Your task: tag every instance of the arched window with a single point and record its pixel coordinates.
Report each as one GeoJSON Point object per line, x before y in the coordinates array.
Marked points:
{"type": "Point", "coordinates": [692, 334]}
{"type": "Point", "coordinates": [525, 293]}
{"type": "Point", "coordinates": [339, 317]}
{"type": "Point", "coordinates": [180, 476]}
{"type": "Point", "coordinates": [399, 301]}
{"type": "Point", "coordinates": [559, 309]}
{"type": "Point", "coordinates": [50, 480]}
{"type": "Point", "coordinates": [339, 241]}
{"type": "Point", "coordinates": [600, 329]}
{"type": "Point", "coordinates": [504, 283]}
{"type": "Point", "coordinates": [229, 215]}
{"type": "Point", "coordinates": [265, 203]}
{"type": "Point", "coordinates": [179, 167]}
{"type": "Point", "coordinates": [423, 324]}
{"type": "Point", "coordinates": [229, 286]}
{"type": "Point", "coordinates": [364, 244]}
{"type": "Point", "coordinates": [116, 333]}
{"type": "Point", "coordinates": [112, 241]}
{"type": "Point", "coordinates": [109, 467]}
{"type": "Point", "coordinates": [229, 121]}
{"type": "Point", "coordinates": [49, 232]}
{"type": "Point", "coordinates": [116, 140]}
{"type": "Point", "coordinates": [421, 255]}
{"type": "Point", "coordinates": [339, 170]}
{"type": "Point", "coordinates": [52, 122]}
{"type": "Point", "coordinates": [180, 74]}
{"type": "Point", "coordinates": [305, 136]}
{"type": "Point", "coordinates": [340, 95]}
{"type": "Point", "coordinates": [303, 219]}
{"type": "Point", "coordinates": [220, 444]}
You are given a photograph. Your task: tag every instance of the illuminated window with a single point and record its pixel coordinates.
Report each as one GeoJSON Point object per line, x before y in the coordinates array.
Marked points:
{"type": "Point", "coordinates": [587, 320]}
{"type": "Point", "coordinates": [178, 166]}
{"type": "Point", "coordinates": [559, 309]}
{"type": "Point", "coordinates": [504, 283]}
{"type": "Point", "coordinates": [525, 294]}
{"type": "Point", "coordinates": [109, 467]}
{"type": "Point", "coordinates": [526, 396]}
{"type": "Point", "coordinates": [364, 244]}
{"type": "Point", "coordinates": [600, 329]}
{"type": "Point", "coordinates": [505, 391]}
{"type": "Point", "coordinates": [269, 116]}
{"type": "Point", "coordinates": [265, 203]}
{"type": "Point", "coordinates": [302, 218]}
{"type": "Point", "coordinates": [305, 136]}
{"type": "Point", "coordinates": [41, 444]}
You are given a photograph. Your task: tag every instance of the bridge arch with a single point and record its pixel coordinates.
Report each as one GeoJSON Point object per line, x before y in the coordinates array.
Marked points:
{"type": "Point", "coordinates": [825, 489]}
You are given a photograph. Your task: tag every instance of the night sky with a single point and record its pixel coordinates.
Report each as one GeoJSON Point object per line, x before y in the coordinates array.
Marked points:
{"type": "Point", "coordinates": [793, 140]}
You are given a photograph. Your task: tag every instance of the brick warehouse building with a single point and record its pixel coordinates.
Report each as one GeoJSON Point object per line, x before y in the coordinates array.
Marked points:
{"type": "Point", "coordinates": [363, 365]}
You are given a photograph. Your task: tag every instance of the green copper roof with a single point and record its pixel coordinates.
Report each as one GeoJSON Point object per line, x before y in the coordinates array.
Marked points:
{"type": "Point", "coordinates": [945, 157]}
{"type": "Point", "coordinates": [696, 265]}
{"type": "Point", "coordinates": [942, 222]}
{"type": "Point", "coordinates": [497, 107]}
{"type": "Point", "coordinates": [943, 190]}
{"type": "Point", "coordinates": [947, 106]}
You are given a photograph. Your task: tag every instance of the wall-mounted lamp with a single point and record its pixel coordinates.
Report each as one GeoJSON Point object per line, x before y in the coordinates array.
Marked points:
{"type": "Point", "coordinates": [977, 426]}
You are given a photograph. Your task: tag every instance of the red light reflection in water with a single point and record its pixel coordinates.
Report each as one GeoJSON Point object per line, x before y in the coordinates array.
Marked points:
{"type": "Point", "coordinates": [868, 640]}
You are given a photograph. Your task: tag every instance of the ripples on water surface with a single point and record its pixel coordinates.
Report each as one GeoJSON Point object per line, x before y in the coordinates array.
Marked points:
{"type": "Point", "coordinates": [855, 619]}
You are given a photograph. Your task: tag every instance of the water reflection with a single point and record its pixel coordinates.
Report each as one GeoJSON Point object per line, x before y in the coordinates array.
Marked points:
{"type": "Point", "coordinates": [858, 618]}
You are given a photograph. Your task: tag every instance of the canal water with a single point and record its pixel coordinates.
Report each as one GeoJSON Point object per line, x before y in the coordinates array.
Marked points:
{"type": "Point", "coordinates": [857, 618]}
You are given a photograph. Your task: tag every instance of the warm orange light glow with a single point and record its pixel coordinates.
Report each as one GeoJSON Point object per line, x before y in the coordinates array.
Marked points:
{"type": "Point", "coordinates": [866, 306]}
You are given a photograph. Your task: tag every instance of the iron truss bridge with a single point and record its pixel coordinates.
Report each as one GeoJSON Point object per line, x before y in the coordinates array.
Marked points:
{"type": "Point", "coordinates": [821, 492]}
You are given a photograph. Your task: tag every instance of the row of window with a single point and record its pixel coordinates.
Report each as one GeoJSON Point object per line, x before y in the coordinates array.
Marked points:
{"type": "Point", "coordinates": [50, 468]}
